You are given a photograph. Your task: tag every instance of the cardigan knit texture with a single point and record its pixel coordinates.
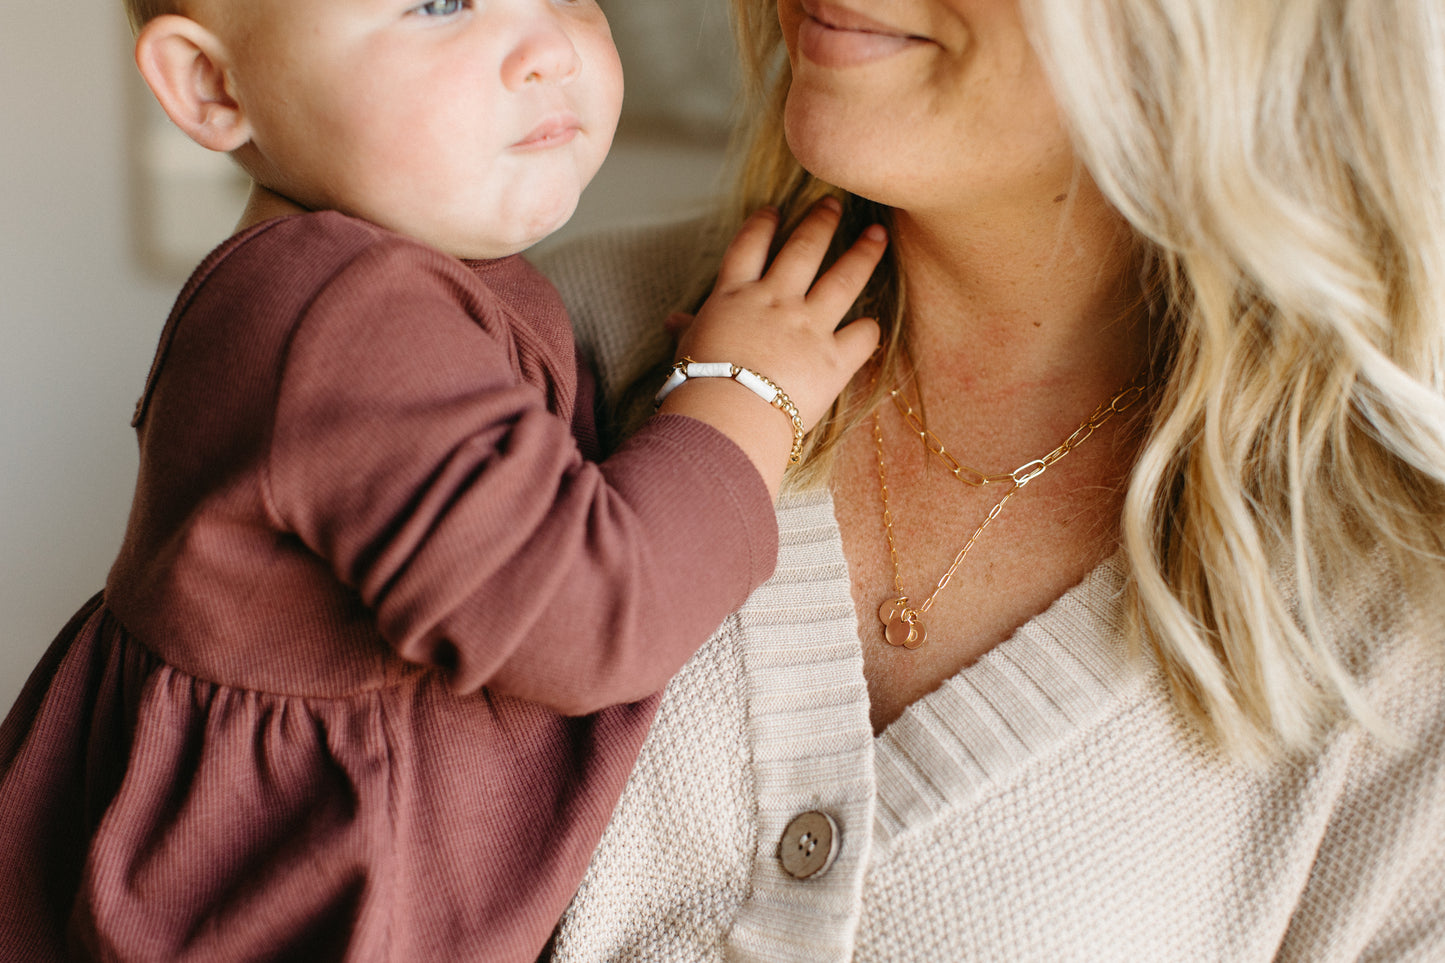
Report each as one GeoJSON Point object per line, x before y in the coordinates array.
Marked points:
{"type": "Point", "coordinates": [1048, 803]}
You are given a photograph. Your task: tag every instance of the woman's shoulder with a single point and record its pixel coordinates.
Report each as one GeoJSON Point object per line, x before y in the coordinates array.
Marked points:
{"type": "Point", "coordinates": [621, 282]}
{"type": "Point", "coordinates": [645, 262]}
{"type": "Point", "coordinates": [1382, 615]}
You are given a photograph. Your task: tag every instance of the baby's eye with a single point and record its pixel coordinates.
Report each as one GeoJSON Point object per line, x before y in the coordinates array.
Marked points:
{"type": "Point", "coordinates": [440, 8]}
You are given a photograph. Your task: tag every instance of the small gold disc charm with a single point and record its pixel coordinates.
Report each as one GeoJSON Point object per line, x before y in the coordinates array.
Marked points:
{"type": "Point", "coordinates": [899, 633]}
{"type": "Point", "coordinates": [918, 636]}
{"type": "Point", "coordinates": [891, 609]}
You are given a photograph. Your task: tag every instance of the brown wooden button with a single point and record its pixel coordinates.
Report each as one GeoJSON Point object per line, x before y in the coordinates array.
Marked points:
{"type": "Point", "coordinates": [809, 844]}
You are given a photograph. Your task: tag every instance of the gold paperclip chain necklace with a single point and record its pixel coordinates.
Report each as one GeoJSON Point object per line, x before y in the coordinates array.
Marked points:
{"type": "Point", "coordinates": [902, 622]}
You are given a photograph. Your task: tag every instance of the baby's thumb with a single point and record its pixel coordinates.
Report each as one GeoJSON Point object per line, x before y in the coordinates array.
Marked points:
{"type": "Point", "coordinates": [856, 342]}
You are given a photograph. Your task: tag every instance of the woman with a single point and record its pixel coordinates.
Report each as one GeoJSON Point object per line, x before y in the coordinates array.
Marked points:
{"type": "Point", "coordinates": [1169, 276]}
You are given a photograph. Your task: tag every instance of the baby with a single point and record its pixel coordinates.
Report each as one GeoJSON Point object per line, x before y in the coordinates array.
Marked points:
{"type": "Point", "coordinates": [386, 632]}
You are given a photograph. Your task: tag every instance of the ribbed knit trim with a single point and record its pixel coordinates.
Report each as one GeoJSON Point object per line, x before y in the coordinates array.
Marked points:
{"type": "Point", "coordinates": [1055, 676]}
{"type": "Point", "coordinates": [812, 742]}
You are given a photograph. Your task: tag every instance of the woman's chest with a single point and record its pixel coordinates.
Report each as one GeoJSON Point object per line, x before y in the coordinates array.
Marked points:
{"type": "Point", "coordinates": [973, 563]}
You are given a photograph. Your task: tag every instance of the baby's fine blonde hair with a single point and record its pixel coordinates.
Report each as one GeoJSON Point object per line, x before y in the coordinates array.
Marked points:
{"type": "Point", "coordinates": [1283, 168]}
{"type": "Point", "coordinates": [141, 12]}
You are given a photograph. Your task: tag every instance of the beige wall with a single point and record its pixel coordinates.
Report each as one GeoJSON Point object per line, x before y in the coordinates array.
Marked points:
{"type": "Point", "coordinates": [80, 315]}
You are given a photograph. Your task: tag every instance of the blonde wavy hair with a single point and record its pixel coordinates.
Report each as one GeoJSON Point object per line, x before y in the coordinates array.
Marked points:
{"type": "Point", "coordinates": [1283, 168]}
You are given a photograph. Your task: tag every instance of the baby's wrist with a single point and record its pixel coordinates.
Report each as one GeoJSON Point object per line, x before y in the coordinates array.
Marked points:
{"type": "Point", "coordinates": [758, 384]}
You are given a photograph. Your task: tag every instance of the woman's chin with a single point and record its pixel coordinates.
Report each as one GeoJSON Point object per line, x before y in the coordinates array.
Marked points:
{"type": "Point", "coordinates": [842, 162]}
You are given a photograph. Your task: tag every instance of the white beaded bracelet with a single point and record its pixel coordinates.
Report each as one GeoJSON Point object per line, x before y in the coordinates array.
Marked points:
{"type": "Point", "coordinates": [749, 379]}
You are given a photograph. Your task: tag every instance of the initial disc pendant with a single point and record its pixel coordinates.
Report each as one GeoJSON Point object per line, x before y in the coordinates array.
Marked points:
{"type": "Point", "coordinates": [898, 632]}
{"type": "Point", "coordinates": [902, 633]}
{"type": "Point", "coordinates": [902, 628]}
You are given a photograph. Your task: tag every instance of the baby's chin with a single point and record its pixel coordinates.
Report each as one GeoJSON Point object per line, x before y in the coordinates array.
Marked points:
{"type": "Point", "coordinates": [521, 233]}
{"type": "Point", "coordinates": [491, 249]}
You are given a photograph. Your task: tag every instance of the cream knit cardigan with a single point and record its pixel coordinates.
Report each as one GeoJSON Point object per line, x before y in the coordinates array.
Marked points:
{"type": "Point", "coordinates": [1045, 804]}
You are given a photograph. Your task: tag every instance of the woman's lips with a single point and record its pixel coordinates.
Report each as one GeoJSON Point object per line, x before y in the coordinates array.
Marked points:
{"type": "Point", "coordinates": [835, 37]}
{"type": "Point", "coordinates": [552, 132]}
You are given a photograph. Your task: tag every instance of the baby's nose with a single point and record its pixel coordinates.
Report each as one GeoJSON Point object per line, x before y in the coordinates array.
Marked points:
{"type": "Point", "coordinates": [544, 54]}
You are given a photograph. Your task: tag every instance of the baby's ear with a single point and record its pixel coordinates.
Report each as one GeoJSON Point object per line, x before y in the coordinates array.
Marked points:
{"type": "Point", "coordinates": [186, 67]}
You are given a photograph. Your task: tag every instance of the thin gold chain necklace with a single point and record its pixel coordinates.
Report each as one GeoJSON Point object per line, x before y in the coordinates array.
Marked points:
{"type": "Point", "coordinates": [903, 622]}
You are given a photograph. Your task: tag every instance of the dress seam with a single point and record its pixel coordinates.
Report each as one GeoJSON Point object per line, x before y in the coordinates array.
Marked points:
{"type": "Point", "coordinates": [383, 685]}
{"type": "Point", "coordinates": [392, 819]}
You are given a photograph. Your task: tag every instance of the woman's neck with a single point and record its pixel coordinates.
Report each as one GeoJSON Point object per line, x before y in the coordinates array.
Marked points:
{"type": "Point", "coordinates": [1020, 326]}
{"type": "Point", "coordinates": [1026, 300]}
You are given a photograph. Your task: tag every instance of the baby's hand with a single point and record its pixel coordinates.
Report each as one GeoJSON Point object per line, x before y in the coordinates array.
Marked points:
{"type": "Point", "coordinates": [783, 324]}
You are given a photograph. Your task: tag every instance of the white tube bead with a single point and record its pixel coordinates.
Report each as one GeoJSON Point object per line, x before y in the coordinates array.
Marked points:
{"type": "Point", "coordinates": [709, 369]}
{"type": "Point", "coordinates": [673, 380]}
{"type": "Point", "coordinates": [755, 384]}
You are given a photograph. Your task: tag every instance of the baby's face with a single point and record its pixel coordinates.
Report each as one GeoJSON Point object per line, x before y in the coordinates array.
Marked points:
{"type": "Point", "coordinates": [472, 125]}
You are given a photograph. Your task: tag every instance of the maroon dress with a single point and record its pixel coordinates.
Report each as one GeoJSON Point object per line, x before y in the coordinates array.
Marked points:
{"type": "Point", "coordinates": [382, 641]}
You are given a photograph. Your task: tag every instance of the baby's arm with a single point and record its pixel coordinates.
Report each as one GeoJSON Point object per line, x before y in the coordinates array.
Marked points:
{"type": "Point", "coordinates": [406, 454]}
{"type": "Point", "coordinates": [778, 321]}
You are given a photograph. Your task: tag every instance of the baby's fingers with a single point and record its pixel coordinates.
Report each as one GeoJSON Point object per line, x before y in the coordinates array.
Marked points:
{"type": "Point", "coordinates": [841, 284]}
{"type": "Point", "coordinates": [797, 262]}
{"type": "Point", "coordinates": [747, 255]}
{"type": "Point", "coordinates": [856, 342]}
